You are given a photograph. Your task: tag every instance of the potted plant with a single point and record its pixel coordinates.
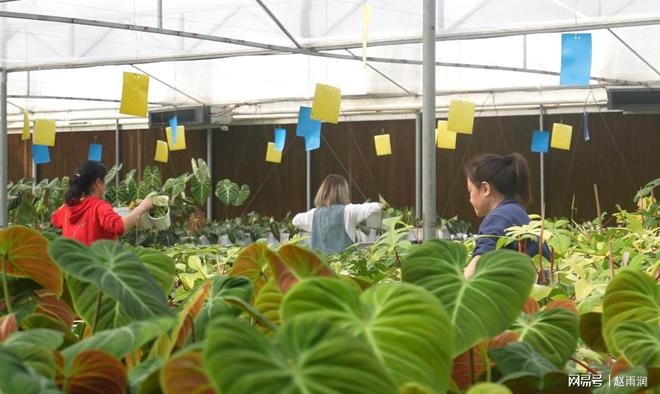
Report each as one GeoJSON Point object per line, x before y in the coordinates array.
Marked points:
{"type": "Point", "coordinates": [160, 213]}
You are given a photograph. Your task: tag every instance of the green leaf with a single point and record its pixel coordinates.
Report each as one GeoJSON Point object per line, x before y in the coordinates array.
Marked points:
{"type": "Point", "coordinates": [616, 386]}
{"type": "Point", "coordinates": [481, 306]}
{"type": "Point", "coordinates": [201, 190]}
{"type": "Point", "coordinates": [631, 295]}
{"type": "Point", "coordinates": [120, 341]}
{"type": "Point", "coordinates": [141, 373]}
{"type": "Point", "coordinates": [222, 287]}
{"type": "Point", "coordinates": [151, 177]}
{"type": "Point", "coordinates": [520, 357]}
{"type": "Point", "coordinates": [639, 342]}
{"type": "Point", "coordinates": [591, 331]}
{"type": "Point", "coordinates": [488, 388]}
{"type": "Point", "coordinates": [243, 195]}
{"type": "Point", "coordinates": [551, 332]}
{"type": "Point", "coordinates": [15, 377]}
{"type": "Point", "coordinates": [117, 272]}
{"type": "Point", "coordinates": [35, 349]}
{"type": "Point", "coordinates": [159, 265]}
{"type": "Point", "coordinates": [112, 173]}
{"type": "Point", "coordinates": [269, 301]}
{"type": "Point", "coordinates": [400, 322]}
{"type": "Point", "coordinates": [227, 192]}
{"type": "Point", "coordinates": [309, 356]}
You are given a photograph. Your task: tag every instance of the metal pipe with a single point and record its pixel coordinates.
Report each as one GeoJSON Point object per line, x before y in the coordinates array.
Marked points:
{"type": "Point", "coordinates": [160, 14]}
{"type": "Point", "coordinates": [209, 162]}
{"type": "Point", "coordinates": [542, 181]}
{"type": "Point", "coordinates": [428, 122]}
{"type": "Point", "coordinates": [168, 85]}
{"type": "Point", "coordinates": [278, 23]}
{"type": "Point", "coordinates": [640, 57]}
{"type": "Point", "coordinates": [117, 153]}
{"type": "Point", "coordinates": [418, 165]}
{"type": "Point", "coordinates": [308, 177]}
{"type": "Point", "coordinates": [4, 159]}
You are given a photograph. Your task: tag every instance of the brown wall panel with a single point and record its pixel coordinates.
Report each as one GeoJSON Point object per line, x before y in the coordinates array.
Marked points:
{"type": "Point", "coordinates": [622, 155]}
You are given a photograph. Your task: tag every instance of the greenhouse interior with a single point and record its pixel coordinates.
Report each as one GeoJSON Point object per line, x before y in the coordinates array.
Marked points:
{"type": "Point", "coordinates": [313, 196]}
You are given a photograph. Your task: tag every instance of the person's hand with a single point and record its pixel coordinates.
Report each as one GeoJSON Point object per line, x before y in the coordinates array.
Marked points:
{"type": "Point", "coordinates": [145, 206]}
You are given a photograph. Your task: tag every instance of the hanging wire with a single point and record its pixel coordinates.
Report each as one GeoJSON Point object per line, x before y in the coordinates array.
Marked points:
{"type": "Point", "coordinates": [362, 156]}
{"type": "Point", "coordinates": [634, 184]}
{"type": "Point", "coordinates": [499, 122]}
{"type": "Point", "coordinates": [574, 151]}
{"type": "Point", "coordinates": [463, 158]}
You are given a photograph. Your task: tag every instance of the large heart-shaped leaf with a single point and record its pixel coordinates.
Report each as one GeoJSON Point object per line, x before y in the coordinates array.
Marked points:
{"type": "Point", "coordinates": [488, 388]}
{"type": "Point", "coordinates": [227, 192]}
{"type": "Point", "coordinates": [631, 295]}
{"type": "Point", "coordinates": [117, 272]}
{"type": "Point", "coordinates": [185, 374]}
{"type": "Point", "coordinates": [310, 356]}
{"type": "Point", "coordinates": [481, 306]}
{"type": "Point", "coordinates": [402, 324]}
{"type": "Point", "coordinates": [95, 372]}
{"type": "Point", "coordinates": [54, 307]}
{"type": "Point", "coordinates": [252, 262]}
{"type": "Point", "coordinates": [296, 263]}
{"type": "Point", "coordinates": [119, 342]}
{"type": "Point", "coordinates": [269, 301]}
{"type": "Point", "coordinates": [639, 342]}
{"type": "Point", "coordinates": [35, 349]}
{"type": "Point", "coordinates": [160, 265]}
{"type": "Point", "coordinates": [166, 342]}
{"type": "Point", "coordinates": [38, 321]}
{"type": "Point", "coordinates": [520, 357]}
{"type": "Point", "coordinates": [25, 253]}
{"type": "Point", "coordinates": [223, 288]}
{"type": "Point", "coordinates": [15, 377]}
{"type": "Point", "coordinates": [553, 333]}
{"type": "Point", "coordinates": [591, 331]}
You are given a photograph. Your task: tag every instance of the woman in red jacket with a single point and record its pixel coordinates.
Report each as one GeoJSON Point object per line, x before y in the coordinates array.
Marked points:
{"type": "Point", "coordinates": [85, 216]}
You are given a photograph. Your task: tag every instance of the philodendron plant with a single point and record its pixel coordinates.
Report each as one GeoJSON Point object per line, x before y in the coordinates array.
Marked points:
{"type": "Point", "coordinates": [282, 321]}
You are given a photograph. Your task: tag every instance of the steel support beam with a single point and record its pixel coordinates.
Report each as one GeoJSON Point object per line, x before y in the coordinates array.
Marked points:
{"type": "Point", "coordinates": [278, 23]}
{"type": "Point", "coordinates": [428, 123]}
{"type": "Point", "coordinates": [4, 158]}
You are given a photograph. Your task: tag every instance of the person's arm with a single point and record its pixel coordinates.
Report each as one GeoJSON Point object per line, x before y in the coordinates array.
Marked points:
{"type": "Point", "coordinates": [131, 219]}
{"type": "Point", "coordinates": [356, 213]}
{"type": "Point", "coordinates": [490, 229]}
{"type": "Point", "coordinates": [304, 220]}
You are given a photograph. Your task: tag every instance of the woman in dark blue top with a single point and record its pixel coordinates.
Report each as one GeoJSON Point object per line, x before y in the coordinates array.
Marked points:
{"type": "Point", "coordinates": [499, 190]}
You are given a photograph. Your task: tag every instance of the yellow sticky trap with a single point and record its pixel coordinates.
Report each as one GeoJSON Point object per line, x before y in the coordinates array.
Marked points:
{"type": "Point", "coordinates": [445, 138]}
{"type": "Point", "coordinates": [383, 146]}
{"type": "Point", "coordinates": [26, 126]}
{"type": "Point", "coordinates": [325, 106]}
{"type": "Point", "coordinates": [366, 21]}
{"type": "Point", "coordinates": [180, 138]}
{"type": "Point", "coordinates": [561, 136]}
{"type": "Point", "coordinates": [461, 116]}
{"type": "Point", "coordinates": [162, 152]}
{"type": "Point", "coordinates": [134, 94]}
{"type": "Point", "coordinates": [273, 155]}
{"type": "Point", "coordinates": [44, 132]}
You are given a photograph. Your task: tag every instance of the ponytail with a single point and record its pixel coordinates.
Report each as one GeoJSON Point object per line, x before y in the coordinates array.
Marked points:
{"type": "Point", "coordinates": [81, 182]}
{"type": "Point", "coordinates": [509, 175]}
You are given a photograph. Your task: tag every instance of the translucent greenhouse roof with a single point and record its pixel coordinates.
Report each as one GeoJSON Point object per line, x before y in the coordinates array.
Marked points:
{"type": "Point", "coordinates": [263, 58]}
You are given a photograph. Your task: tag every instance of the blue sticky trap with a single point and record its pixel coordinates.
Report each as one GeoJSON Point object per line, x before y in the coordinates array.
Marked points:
{"type": "Point", "coordinates": [313, 141]}
{"type": "Point", "coordinates": [540, 141]}
{"type": "Point", "coordinates": [280, 138]}
{"type": "Point", "coordinates": [575, 59]}
{"type": "Point", "coordinates": [40, 154]}
{"type": "Point", "coordinates": [95, 152]}
{"type": "Point", "coordinates": [307, 125]}
{"type": "Point", "coordinates": [174, 123]}
{"type": "Point", "coordinates": [585, 125]}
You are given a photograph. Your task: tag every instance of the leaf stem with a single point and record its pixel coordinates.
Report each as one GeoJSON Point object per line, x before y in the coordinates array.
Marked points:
{"type": "Point", "coordinates": [5, 287]}
{"type": "Point", "coordinates": [584, 365]}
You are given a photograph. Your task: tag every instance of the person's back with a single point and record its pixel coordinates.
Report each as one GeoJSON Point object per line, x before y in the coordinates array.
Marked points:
{"type": "Point", "coordinates": [85, 216]}
{"type": "Point", "coordinates": [328, 230]}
